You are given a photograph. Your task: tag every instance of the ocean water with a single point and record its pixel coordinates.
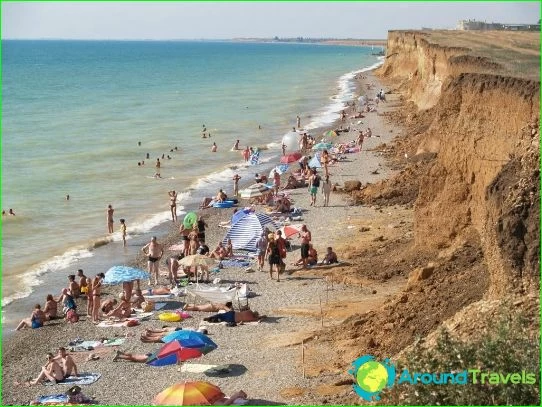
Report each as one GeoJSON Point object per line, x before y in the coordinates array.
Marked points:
{"type": "Point", "coordinates": [75, 112]}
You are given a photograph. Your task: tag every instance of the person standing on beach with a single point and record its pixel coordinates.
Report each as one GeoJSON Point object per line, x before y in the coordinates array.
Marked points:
{"type": "Point", "coordinates": [306, 238]}
{"type": "Point", "coordinates": [283, 149]}
{"type": "Point", "coordinates": [298, 121]}
{"type": "Point", "coordinates": [261, 247]}
{"type": "Point", "coordinates": [276, 181]}
{"type": "Point", "coordinates": [314, 184]}
{"type": "Point", "coordinates": [154, 251]}
{"type": "Point", "coordinates": [109, 217]}
{"type": "Point", "coordinates": [236, 179]}
{"type": "Point", "coordinates": [359, 140]}
{"type": "Point", "coordinates": [96, 294]}
{"type": "Point", "coordinates": [326, 190]}
{"type": "Point", "coordinates": [123, 231]}
{"type": "Point", "coordinates": [324, 158]}
{"type": "Point", "coordinates": [201, 228]}
{"type": "Point", "coordinates": [173, 204]}
{"type": "Point", "coordinates": [83, 282]}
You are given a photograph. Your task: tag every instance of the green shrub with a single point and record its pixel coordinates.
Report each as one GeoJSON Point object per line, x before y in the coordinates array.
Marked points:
{"type": "Point", "coordinates": [509, 347]}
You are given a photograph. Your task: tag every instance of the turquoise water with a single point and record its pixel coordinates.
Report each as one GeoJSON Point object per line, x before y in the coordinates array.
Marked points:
{"type": "Point", "coordinates": [73, 113]}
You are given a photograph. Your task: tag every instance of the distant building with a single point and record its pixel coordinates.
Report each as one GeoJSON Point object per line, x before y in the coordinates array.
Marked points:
{"type": "Point", "coordinates": [482, 25]}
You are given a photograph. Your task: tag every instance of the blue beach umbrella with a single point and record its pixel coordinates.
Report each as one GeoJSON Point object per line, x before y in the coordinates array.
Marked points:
{"type": "Point", "coordinates": [190, 339]}
{"type": "Point", "coordinates": [322, 146]}
{"type": "Point", "coordinates": [239, 215]}
{"type": "Point", "coordinates": [123, 274]}
{"type": "Point", "coordinates": [315, 162]}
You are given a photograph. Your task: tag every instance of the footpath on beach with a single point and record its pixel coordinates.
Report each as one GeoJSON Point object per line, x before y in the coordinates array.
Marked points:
{"type": "Point", "coordinates": [261, 358]}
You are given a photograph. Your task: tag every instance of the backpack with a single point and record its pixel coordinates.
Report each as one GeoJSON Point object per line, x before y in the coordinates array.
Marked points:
{"type": "Point", "coordinates": [72, 316]}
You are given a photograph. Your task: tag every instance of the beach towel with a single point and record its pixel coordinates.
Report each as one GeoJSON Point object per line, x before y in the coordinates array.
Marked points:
{"type": "Point", "coordinates": [85, 345]}
{"type": "Point", "coordinates": [82, 379]}
{"type": "Point", "coordinates": [52, 399]}
{"type": "Point", "coordinates": [255, 158]}
{"type": "Point", "coordinates": [114, 342]}
{"type": "Point", "coordinates": [157, 307]}
{"type": "Point", "coordinates": [235, 263]}
{"type": "Point", "coordinates": [158, 297]}
{"type": "Point", "coordinates": [196, 367]}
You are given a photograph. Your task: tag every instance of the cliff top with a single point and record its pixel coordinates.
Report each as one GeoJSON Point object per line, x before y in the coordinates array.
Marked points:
{"type": "Point", "coordinates": [518, 52]}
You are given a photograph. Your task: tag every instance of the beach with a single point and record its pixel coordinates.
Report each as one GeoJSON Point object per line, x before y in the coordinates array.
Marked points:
{"type": "Point", "coordinates": [295, 307]}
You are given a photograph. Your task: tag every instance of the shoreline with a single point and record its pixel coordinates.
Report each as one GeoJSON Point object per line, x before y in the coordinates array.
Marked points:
{"type": "Point", "coordinates": [104, 250]}
{"type": "Point", "coordinates": [244, 345]}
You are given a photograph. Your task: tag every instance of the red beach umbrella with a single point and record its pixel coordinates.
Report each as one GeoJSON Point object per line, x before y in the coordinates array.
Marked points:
{"type": "Point", "coordinates": [290, 158]}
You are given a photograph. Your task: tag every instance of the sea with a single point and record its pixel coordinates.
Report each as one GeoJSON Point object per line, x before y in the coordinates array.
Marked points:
{"type": "Point", "coordinates": [89, 119]}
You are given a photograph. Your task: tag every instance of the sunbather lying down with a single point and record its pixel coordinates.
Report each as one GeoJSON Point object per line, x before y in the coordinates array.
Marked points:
{"type": "Point", "coordinates": [226, 401]}
{"type": "Point", "coordinates": [209, 307]}
{"type": "Point", "coordinates": [234, 317]}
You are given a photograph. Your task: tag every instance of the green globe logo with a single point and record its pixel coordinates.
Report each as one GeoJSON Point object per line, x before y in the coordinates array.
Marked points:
{"type": "Point", "coordinates": [372, 377]}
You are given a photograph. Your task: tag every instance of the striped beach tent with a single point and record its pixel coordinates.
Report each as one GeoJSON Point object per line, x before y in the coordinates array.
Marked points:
{"type": "Point", "coordinates": [247, 230]}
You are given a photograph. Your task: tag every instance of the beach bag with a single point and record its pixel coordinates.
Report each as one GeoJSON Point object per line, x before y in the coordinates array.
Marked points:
{"type": "Point", "coordinates": [147, 306]}
{"type": "Point", "coordinates": [71, 316]}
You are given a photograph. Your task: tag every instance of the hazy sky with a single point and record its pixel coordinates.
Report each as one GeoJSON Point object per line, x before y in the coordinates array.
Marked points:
{"type": "Point", "coordinates": [195, 20]}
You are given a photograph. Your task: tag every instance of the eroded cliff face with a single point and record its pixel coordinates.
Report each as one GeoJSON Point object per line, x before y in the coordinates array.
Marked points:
{"type": "Point", "coordinates": [484, 181]}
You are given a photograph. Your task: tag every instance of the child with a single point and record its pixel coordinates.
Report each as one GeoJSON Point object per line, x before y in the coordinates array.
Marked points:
{"type": "Point", "coordinates": [123, 231]}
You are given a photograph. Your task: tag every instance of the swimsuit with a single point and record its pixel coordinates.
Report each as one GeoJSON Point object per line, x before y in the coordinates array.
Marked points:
{"type": "Point", "coordinates": [153, 259]}
{"type": "Point", "coordinates": [36, 323]}
{"type": "Point", "coordinates": [304, 250]}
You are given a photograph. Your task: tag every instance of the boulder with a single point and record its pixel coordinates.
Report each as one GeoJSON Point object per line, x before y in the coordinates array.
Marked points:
{"type": "Point", "coordinates": [350, 186]}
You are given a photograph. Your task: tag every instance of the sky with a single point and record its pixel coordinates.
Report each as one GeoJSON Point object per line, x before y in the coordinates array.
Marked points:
{"type": "Point", "coordinates": [224, 20]}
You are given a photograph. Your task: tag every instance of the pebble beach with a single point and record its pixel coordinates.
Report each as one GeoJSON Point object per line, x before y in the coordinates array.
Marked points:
{"type": "Point", "coordinates": [265, 356]}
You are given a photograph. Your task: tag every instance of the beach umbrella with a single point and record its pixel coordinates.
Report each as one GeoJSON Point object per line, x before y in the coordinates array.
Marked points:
{"type": "Point", "coordinates": [195, 260]}
{"type": "Point", "coordinates": [330, 133]}
{"type": "Point", "coordinates": [290, 230]}
{"type": "Point", "coordinates": [254, 190]}
{"type": "Point", "coordinates": [280, 169]}
{"type": "Point", "coordinates": [322, 146]}
{"type": "Point", "coordinates": [191, 339]}
{"type": "Point", "coordinates": [123, 274]}
{"type": "Point", "coordinates": [190, 219]}
{"type": "Point", "coordinates": [172, 353]}
{"type": "Point", "coordinates": [239, 215]}
{"type": "Point", "coordinates": [290, 158]}
{"type": "Point", "coordinates": [189, 394]}
{"type": "Point", "coordinates": [315, 162]}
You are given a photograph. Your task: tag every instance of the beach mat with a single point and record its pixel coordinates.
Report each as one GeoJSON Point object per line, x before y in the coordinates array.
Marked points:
{"type": "Point", "coordinates": [52, 399]}
{"type": "Point", "coordinates": [83, 379]}
{"type": "Point", "coordinates": [159, 297]}
{"type": "Point", "coordinates": [196, 367]}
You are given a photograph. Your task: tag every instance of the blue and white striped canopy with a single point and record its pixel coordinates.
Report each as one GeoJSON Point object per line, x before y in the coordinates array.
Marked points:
{"type": "Point", "coordinates": [247, 230]}
{"type": "Point", "coordinates": [122, 274]}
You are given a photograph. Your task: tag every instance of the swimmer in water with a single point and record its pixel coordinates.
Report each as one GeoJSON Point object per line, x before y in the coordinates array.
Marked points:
{"type": "Point", "coordinates": [214, 148]}
{"type": "Point", "coordinates": [236, 145]}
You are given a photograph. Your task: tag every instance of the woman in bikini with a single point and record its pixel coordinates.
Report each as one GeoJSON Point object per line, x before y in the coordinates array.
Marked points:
{"type": "Point", "coordinates": [96, 293]}
{"type": "Point", "coordinates": [36, 320]}
{"type": "Point", "coordinates": [173, 204]}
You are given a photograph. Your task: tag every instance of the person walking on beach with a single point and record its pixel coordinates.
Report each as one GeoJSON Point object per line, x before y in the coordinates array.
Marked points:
{"type": "Point", "coordinates": [324, 158]}
{"type": "Point", "coordinates": [298, 121]}
{"type": "Point", "coordinates": [173, 204]}
{"type": "Point", "coordinates": [276, 181]}
{"type": "Point", "coordinates": [236, 179]}
{"type": "Point", "coordinates": [359, 140]}
{"type": "Point", "coordinates": [96, 294]}
{"type": "Point", "coordinates": [109, 217]}
{"type": "Point", "coordinates": [326, 190]}
{"type": "Point", "coordinates": [261, 247]}
{"type": "Point", "coordinates": [306, 238]}
{"type": "Point", "coordinates": [314, 184]}
{"type": "Point", "coordinates": [273, 256]}
{"type": "Point", "coordinates": [154, 252]}
{"type": "Point", "coordinates": [123, 231]}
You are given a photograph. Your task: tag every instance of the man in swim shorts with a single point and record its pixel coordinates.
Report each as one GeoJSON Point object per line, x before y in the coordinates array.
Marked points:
{"type": "Point", "coordinates": [154, 251]}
